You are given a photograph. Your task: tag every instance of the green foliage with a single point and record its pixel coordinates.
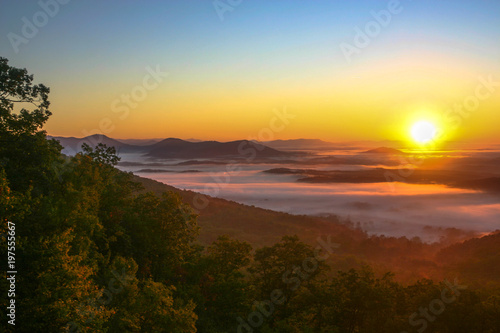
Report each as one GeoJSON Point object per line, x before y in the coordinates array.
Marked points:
{"type": "Point", "coordinates": [228, 255]}
{"type": "Point", "coordinates": [16, 87]}
{"type": "Point", "coordinates": [101, 154]}
{"type": "Point", "coordinates": [65, 289]}
{"type": "Point", "coordinates": [161, 231]}
{"type": "Point", "coordinates": [76, 222]}
{"type": "Point", "coordinates": [281, 266]}
{"type": "Point", "coordinates": [159, 311]}
{"type": "Point", "coordinates": [221, 291]}
{"type": "Point", "coordinates": [25, 154]}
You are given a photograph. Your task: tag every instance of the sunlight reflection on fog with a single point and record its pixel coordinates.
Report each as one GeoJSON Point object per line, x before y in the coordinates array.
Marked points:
{"type": "Point", "coordinates": [393, 209]}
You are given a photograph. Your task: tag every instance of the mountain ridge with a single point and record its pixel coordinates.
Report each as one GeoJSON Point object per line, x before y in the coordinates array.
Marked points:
{"type": "Point", "coordinates": [171, 148]}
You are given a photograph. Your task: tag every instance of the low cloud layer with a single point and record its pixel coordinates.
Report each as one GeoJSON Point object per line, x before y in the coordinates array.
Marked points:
{"type": "Point", "coordinates": [392, 209]}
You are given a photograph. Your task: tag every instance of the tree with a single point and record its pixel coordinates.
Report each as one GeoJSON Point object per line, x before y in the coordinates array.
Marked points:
{"type": "Point", "coordinates": [29, 160]}
{"type": "Point", "coordinates": [228, 255]}
{"type": "Point", "coordinates": [288, 266]}
{"type": "Point", "coordinates": [16, 87]}
{"type": "Point", "coordinates": [66, 295]}
{"type": "Point", "coordinates": [162, 231]}
{"type": "Point", "coordinates": [365, 302]}
{"type": "Point", "coordinates": [221, 290]}
{"type": "Point", "coordinates": [101, 154]}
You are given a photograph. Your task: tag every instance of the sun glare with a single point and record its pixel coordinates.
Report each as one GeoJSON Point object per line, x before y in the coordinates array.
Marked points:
{"type": "Point", "coordinates": [423, 131]}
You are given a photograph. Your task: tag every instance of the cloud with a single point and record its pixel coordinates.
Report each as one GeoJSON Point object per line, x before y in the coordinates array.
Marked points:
{"type": "Point", "coordinates": [392, 209]}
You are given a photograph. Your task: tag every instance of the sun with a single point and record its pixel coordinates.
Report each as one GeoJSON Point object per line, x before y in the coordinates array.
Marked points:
{"type": "Point", "coordinates": [423, 131]}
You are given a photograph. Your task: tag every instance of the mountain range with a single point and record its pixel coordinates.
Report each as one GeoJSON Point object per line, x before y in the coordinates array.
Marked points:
{"type": "Point", "coordinates": [176, 148]}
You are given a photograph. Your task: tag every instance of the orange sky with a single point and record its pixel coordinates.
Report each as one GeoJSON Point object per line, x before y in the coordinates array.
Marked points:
{"type": "Point", "coordinates": [374, 101]}
{"type": "Point", "coordinates": [227, 75]}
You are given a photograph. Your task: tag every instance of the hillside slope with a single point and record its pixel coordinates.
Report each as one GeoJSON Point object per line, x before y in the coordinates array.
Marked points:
{"type": "Point", "coordinates": [252, 224]}
{"type": "Point", "coordinates": [409, 259]}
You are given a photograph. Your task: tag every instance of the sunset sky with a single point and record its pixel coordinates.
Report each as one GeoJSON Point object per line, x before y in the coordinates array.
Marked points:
{"type": "Point", "coordinates": [226, 76]}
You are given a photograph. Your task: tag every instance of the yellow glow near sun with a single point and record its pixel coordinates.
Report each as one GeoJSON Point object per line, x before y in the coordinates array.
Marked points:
{"type": "Point", "coordinates": [423, 131]}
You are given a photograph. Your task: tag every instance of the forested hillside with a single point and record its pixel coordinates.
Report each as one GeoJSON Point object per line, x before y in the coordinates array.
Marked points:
{"type": "Point", "coordinates": [96, 250]}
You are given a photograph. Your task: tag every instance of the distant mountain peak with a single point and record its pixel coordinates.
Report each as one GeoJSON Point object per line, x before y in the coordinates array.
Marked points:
{"type": "Point", "coordinates": [177, 148]}
{"type": "Point", "coordinates": [384, 150]}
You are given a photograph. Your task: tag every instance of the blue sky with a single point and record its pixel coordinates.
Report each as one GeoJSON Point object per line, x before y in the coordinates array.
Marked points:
{"type": "Point", "coordinates": [100, 48]}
